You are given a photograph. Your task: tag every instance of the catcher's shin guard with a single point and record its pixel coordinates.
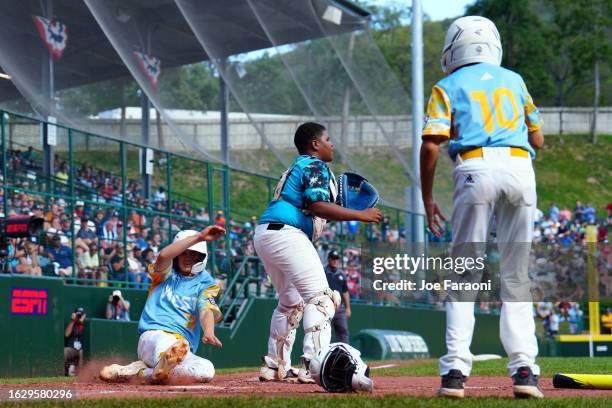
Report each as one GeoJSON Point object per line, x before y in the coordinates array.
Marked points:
{"type": "Point", "coordinates": [285, 321]}
{"type": "Point", "coordinates": [319, 311]}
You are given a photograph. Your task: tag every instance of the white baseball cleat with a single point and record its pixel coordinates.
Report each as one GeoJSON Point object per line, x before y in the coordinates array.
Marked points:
{"type": "Point", "coordinates": [304, 376]}
{"type": "Point", "coordinates": [119, 373]}
{"type": "Point", "coordinates": [267, 374]}
{"type": "Point", "coordinates": [272, 374]}
{"type": "Point", "coordinates": [170, 359]}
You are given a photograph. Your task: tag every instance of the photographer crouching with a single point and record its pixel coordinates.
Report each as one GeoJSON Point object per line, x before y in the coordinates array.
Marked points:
{"type": "Point", "coordinates": [117, 308]}
{"type": "Point", "coordinates": [73, 346]}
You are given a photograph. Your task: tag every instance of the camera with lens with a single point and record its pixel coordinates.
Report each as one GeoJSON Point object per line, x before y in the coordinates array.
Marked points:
{"type": "Point", "coordinates": [79, 312]}
{"type": "Point", "coordinates": [115, 297]}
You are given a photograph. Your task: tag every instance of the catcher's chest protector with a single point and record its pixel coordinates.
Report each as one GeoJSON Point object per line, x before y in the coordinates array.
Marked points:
{"type": "Point", "coordinates": [318, 224]}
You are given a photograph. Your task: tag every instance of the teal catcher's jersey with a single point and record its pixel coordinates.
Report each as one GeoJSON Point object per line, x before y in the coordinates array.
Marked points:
{"type": "Point", "coordinates": [482, 105]}
{"type": "Point", "coordinates": [175, 301]}
{"type": "Point", "coordinates": [308, 182]}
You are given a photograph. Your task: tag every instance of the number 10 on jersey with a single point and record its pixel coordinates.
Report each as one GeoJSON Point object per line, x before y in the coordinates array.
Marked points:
{"type": "Point", "coordinates": [498, 96]}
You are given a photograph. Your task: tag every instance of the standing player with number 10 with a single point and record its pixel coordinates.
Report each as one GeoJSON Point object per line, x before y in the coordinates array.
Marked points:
{"type": "Point", "coordinates": [488, 117]}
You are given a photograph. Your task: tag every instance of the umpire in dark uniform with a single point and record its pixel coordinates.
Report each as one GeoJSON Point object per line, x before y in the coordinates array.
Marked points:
{"type": "Point", "coordinates": [337, 281]}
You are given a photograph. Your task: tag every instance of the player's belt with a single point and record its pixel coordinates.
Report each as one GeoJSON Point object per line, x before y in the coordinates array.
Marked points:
{"type": "Point", "coordinates": [275, 226]}
{"type": "Point", "coordinates": [477, 152]}
{"type": "Point", "coordinates": [178, 336]}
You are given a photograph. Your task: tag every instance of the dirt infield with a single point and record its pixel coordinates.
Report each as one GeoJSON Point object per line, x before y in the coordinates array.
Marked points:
{"type": "Point", "coordinates": [247, 384]}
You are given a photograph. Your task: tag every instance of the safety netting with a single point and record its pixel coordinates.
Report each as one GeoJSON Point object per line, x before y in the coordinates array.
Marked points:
{"type": "Point", "coordinates": [283, 62]}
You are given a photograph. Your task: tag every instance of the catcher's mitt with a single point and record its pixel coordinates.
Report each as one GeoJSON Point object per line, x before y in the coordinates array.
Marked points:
{"type": "Point", "coordinates": [355, 192]}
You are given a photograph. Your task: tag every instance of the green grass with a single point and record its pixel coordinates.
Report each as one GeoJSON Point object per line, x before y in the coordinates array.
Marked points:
{"type": "Point", "coordinates": [343, 401]}
{"type": "Point", "coordinates": [36, 380]}
{"type": "Point", "coordinates": [548, 365]}
{"type": "Point", "coordinates": [223, 371]}
{"type": "Point", "coordinates": [572, 168]}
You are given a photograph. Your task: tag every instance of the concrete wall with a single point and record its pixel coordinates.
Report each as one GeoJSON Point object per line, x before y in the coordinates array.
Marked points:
{"type": "Point", "coordinates": [364, 131]}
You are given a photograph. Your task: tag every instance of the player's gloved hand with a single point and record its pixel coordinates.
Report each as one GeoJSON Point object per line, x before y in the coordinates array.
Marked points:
{"type": "Point", "coordinates": [371, 215]}
{"type": "Point", "coordinates": [210, 338]}
{"type": "Point", "coordinates": [434, 217]}
{"type": "Point", "coordinates": [212, 233]}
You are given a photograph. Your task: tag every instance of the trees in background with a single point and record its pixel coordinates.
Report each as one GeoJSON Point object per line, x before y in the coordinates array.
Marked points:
{"type": "Point", "coordinates": [561, 47]}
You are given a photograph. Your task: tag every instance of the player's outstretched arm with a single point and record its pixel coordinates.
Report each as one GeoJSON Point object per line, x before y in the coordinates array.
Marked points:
{"type": "Point", "coordinates": [166, 255]}
{"type": "Point", "coordinates": [207, 320]}
{"type": "Point", "coordinates": [334, 212]}
{"type": "Point", "coordinates": [430, 150]}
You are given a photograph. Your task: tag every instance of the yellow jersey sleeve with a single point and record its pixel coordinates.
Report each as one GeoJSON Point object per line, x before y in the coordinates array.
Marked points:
{"type": "Point", "coordinates": [438, 114]}
{"type": "Point", "coordinates": [158, 277]}
{"type": "Point", "coordinates": [533, 119]}
{"type": "Point", "coordinates": [206, 301]}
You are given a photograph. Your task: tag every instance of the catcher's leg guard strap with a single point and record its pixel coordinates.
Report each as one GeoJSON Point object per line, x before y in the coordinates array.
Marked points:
{"type": "Point", "coordinates": [319, 311]}
{"type": "Point", "coordinates": [285, 321]}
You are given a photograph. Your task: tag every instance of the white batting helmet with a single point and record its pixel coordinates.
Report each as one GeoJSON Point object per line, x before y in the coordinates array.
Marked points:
{"type": "Point", "coordinates": [469, 40]}
{"type": "Point", "coordinates": [199, 247]}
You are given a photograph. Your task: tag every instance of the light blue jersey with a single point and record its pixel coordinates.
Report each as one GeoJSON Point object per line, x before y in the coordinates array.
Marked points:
{"type": "Point", "coordinates": [482, 105]}
{"type": "Point", "coordinates": [307, 182]}
{"type": "Point", "coordinates": [175, 301]}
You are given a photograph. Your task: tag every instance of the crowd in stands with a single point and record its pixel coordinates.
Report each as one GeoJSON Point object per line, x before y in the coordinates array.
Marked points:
{"type": "Point", "coordinates": [552, 315]}
{"type": "Point", "coordinates": [91, 230]}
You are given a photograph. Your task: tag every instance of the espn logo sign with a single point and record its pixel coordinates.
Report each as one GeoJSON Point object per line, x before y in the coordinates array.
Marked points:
{"type": "Point", "coordinates": [28, 301]}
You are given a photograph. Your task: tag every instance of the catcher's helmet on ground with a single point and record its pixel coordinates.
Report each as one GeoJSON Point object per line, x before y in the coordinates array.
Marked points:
{"type": "Point", "coordinates": [339, 368]}
{"type": "Point", "coordinates": [470, 40]}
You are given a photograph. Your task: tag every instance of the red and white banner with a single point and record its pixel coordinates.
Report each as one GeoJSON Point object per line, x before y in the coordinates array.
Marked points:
{"type": "Point", "coordinates": [54, 34]}
{"type": "Point", "coordinates": [151, 66]}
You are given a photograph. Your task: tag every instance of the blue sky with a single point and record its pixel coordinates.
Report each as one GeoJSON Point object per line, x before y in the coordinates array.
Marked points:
{"type": "Point", "coordinates": [436, 9]}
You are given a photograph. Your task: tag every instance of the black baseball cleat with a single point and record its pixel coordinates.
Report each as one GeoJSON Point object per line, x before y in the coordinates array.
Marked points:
{"type": "Point", "coordinates": [525, 384]}
{"type": "Point", "coordinates": [452, 385]}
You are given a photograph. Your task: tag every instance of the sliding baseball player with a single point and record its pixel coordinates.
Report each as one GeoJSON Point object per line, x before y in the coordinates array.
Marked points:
{"type": "Point", "coordinates": [180, 311]}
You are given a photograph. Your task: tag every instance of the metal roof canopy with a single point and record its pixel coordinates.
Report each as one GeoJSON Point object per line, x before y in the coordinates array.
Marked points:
{"type": "Point", "coordinates": [90, 57]}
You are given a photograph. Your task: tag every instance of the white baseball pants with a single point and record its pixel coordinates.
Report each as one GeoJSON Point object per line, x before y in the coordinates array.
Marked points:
{"type": "Point", "coordinates": [153, 343]}
{"type": "Point", "coordinates": [502, 185]}
{"type": "Point", "coordinates": [298, 276]}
